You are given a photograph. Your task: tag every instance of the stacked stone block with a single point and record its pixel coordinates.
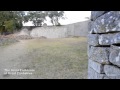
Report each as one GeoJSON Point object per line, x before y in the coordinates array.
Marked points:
{"type": "Point", "coordinates": [104, 45]}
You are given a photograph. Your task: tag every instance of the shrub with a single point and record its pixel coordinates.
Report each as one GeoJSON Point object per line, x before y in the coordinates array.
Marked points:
{"type": "Point", "coordinates": [9, 26]}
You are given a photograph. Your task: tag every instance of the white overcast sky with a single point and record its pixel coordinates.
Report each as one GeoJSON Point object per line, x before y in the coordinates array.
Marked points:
{"type": "Point", "coordinates": [72, 17]}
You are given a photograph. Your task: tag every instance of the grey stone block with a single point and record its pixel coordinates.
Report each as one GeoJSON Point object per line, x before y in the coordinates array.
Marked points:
{"type": "Point", "coordinates": [109, 22]}
{"type": "Point", "coordinates": [92, 74]}
{"type": "Point", "coordinates": [99, 54]}
{"type": "Point", "coordinates": [89, 26]}
{"type": "Point", "coordinates": [116, 39]}
{"type": "Point", "coordinates": [96, 14]}
{"type": "Point", "coordinates": [112, 72]}
{"type": "Point", "coordinates": [88, 49]}
{"type": "Point", "coordinates": [115, 55]}
{"type": "Point", "coordinates": [99, 68]}
{"type": "Point", "coordinates": [93, 39]}
{"type": "Point", "coordinates": [105, 39]}
{"type": "Point", "coordinates": [106, 77]}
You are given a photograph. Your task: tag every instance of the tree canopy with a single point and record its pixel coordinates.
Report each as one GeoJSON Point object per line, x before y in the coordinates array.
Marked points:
{"type": "Point", "coordinates": [55, 16]}
{"type": "Point", "coordinates": [13, 20]}
{"type": "Point", "coordinates": [37, 17]}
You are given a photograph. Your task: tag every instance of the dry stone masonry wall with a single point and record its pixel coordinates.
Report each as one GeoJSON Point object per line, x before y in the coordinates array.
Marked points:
{"type": "Point", "coordinates": [71, 30]}
{"type": "Point", "coordinates": [104, 45]}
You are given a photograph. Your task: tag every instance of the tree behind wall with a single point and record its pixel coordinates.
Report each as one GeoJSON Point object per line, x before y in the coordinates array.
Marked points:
{"type": "Point", "coordinates": [55, 16]}
{"type": "Point", "coordinates": [37, 17]}
{"type": "Point", "coordinates": [12, 20]}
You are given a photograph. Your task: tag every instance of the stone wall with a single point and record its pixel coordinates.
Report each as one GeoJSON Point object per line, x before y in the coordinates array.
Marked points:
{"type": "Point", "coordinates": [49, 32]}
{"type": "Point", "coordinates": [104, 45]}
{"type": "Point", "coordinates": [75, 29]}
{"type": "Point", "coordinates": [78, 29]}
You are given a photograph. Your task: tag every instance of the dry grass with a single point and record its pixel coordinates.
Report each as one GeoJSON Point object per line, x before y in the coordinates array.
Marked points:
{"type": "Point", "coordinates": [64, 58]}
{"type": "Point", "coordinates": [58, 58]}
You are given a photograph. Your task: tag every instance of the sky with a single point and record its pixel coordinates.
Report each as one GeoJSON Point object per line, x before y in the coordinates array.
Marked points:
{"type": "Point", "coordinates": [71, 17]}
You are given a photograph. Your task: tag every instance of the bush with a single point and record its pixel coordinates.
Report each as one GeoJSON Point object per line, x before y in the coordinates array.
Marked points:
{"type": "Point", "coordinates": [9, 26]}
{"type": "Point", "coordinates": [1, 29]}
{"type": "Point", "coordinates": [18, 25]}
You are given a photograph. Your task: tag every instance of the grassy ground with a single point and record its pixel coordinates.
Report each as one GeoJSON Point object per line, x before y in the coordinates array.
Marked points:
{"type": "Point", "coordinates": [64, 58]}
{"type": "Point", "coordinates": [59, 58]}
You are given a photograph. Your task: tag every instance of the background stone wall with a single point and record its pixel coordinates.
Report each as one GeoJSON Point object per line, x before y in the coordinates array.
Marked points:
{"type": "Point", "coordinates": [49, 32]}
{"type": "Point", "coordinates": [104, 45]}
{"type": "Point", "coordinates": [76, 29]}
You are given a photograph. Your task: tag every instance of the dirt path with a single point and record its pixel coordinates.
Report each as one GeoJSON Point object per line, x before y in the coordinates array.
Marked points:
{"type": "Point", "coordinates": [49, 58]}
{"type": "Point", "coordinates": [11, 57]}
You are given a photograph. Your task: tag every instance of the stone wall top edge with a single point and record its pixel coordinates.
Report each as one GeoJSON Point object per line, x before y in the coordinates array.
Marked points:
{"type": "Point", "coordinates": [97, 14]}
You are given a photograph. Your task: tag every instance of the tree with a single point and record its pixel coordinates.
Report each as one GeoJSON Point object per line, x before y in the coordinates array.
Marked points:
{"type": "Point", "coordinates": [37, 17]}
{"type": "Point", "coordinates": [11, 20]}
{"type": "Point", "coordinates": [55, 16]}
{"type": "Point", "coordinates": [19, 18]}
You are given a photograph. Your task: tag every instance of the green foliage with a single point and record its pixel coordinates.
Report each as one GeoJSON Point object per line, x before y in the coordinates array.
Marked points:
{"type": "Point", "coordinates": [1, 29]}
{"type": "Point", "coordinates": [37, 17]}
{"type": "Point", "coordinates": [18, 25]}
{"type": "Point", "coordinates": [55, 16]}
{"type": "Point", "coordinates": [12, 20]}
{"type": "Point", "coordinates": [10, 26]}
